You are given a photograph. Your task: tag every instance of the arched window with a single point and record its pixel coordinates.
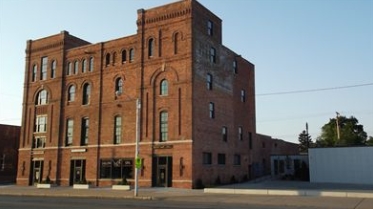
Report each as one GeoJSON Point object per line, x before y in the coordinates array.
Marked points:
{"type": "Point", "coordinates": [150, 47]}
{"type": "Point", "coordinates": [117, 130]}
{"type": "Point", "coordinates": [132, 55]}
{"type": "Point", "coordinates": [86, 93]}
{"type": "Point", "coordinates": [124, 56]}
{"type": "Point", "coordinates": [91, 63]}
{"type": "Point", "coordinates": [107, 60]}
{"type": "Point", "coordinates": [42, 97]}
{"type": "Point", "coordinates": [164, 87]}
{"type": "Point", "coordinates": [44, 68]}
{"type": "Point", "coordinates": [69, 70]}
{"type": "Point", "coordinates": [76, 67]}
{"type": "Point", "coordinates": [176, 37]}
{"type": "Point", "coordinates": [84, 66]}
{"type": "Point", "coordinates": [53, 69]}
{"type": "Point", "coordinates": [114, 57]}
{"type": "Point", "coordinates": [34, 73]}
{"type": "Point", "coordinates": [163, 126]}
{"type": "Point", "coordinates": [71, 94]}
{"type": "Point", "coordinates": [118, 86]}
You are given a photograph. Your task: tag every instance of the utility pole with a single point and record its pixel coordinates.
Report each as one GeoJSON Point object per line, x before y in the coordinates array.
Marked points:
{"type": "Point", "coordinates": [138, 107]}
{"type": "Point", "coordinates": [308, 142]}
{"type": "Point", "coordinates": [337, 122]}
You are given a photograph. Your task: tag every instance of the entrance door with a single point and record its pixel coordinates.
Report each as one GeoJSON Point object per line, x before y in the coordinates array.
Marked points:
{"type": "Point", "coordinates": [162, 171]}
{"type": "Point", "coordinates": [77, 171]}
{"type": "Point", "coordinates": [36, 172]}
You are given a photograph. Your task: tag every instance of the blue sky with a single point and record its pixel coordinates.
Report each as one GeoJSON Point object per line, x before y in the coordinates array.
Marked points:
{"type": "Point", "coordinates": [295, 45]}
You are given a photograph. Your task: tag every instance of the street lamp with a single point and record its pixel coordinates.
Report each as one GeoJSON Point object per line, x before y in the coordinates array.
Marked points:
{"type": "Point", "coordinates": [138, 107]}
{"type": "Point", "coordinates": [338, 135]}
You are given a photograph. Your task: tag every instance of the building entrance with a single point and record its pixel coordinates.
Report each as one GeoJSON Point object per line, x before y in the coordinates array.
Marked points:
{"type": "Point", "coordinates": [77, 171]}
{"type": "Point", "coordinates": [162, 171]}
{"type": "Point", "coordinates": [36, 172]}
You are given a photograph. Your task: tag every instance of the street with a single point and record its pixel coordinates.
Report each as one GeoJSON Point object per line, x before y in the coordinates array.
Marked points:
{"type": "Point", "coordinates": [201, 202]}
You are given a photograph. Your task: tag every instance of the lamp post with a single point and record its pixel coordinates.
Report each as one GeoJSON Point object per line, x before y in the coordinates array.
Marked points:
{"type": "Point", "coordinates": [338, 134]}
{"type": "Point", "coordinates": [138, 107]}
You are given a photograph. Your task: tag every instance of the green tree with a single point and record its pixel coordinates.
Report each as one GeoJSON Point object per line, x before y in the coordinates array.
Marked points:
{"type": "Point", "coordinates": [370, 141]}
{"type": "Point", "coordinates": [351, 133]}
{"type": "Point", "coordinates": [305, 141]}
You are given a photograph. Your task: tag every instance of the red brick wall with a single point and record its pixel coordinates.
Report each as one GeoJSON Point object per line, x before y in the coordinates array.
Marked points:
{"type": "Point", "coordinates": [9, 143]}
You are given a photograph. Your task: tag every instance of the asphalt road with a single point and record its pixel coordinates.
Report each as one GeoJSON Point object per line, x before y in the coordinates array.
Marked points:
{"type": "Point", "coordinates": [213, 202]}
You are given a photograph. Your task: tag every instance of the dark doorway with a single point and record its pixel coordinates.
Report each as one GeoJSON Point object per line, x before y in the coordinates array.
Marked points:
{"type": "Point", "coordinates": [77, 171]}
{"type": "Point", "coordinates": [162, 171]}
{"type": "Point", "coordinates": [36, 171]}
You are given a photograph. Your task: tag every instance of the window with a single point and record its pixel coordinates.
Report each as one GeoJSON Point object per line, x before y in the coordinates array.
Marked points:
{"type": "Point", "coordinates": [221, 159]}
{"type": "Point", "coordinates": [243, 95]}
{"type": "Point", "coordinates": [86, 93]}
{"type": "Point", "coordinates": [114, 57]}
{"type": "Point", "coordinates": [69, 132]}
{"type": "Point", "coordinates": [85, 131]}
{"type": "Point", "coordinates": [84, 66]}
{"type": "Point", "coordinates": [76, 67]}
{"type": "Point", "coordinates": [212, 55]}
{"type": "Point", "coordinates": [71, 94]}
{"type": "Point", "coordinates": [209, 81]}
{"type": "Point", "coordinates": [116, 168]}
{"type": "Point", "coordinates": [176, 37]}
{"type": "Point", "coordinates": [164, 126]}
{"type": "Point", "coordinates": [225, 133]}
{"type": "Point", "coordinates": [237, 159]}
{"type": "Point", "coordinates": [69, 70]}
{"type": "Point", "coordinates": [207, 159]}
{"type": "Point", "coordinates": [34, 73]}
{"type": "Point", "coordinates": [42, 97]}
{"type": "Point", "coordinates": [240, 137]}
{"type": "Point", "coordinates": [41, 124]}
{"type": "Point", "coordinates": [107, 59]}
{"type": "Point", "coordinates": [124, 56]}
{"type": "Point", "coordinates": [91, 64]}
{"type": "Point", "coordinates": [150, 47]}
{"type": "Point", "coordinates": [53, 69]}
{"type": "Point", "coordinates": [118, 86]}
{"type": "Point", "coordinates": [235, 67]}
{"type": "Point", "coordinates": [210, 28]}
{"type": "Point", "coordinates": [117, 129]}
{"type": "Point", "coordinates": [132, 55]}
{"type": "Point", "coordinates": [38, 142]}
{"type": "Point", "coordinates": [212, 110]}
{"type": "Point", "coordinates": [164, 87]}
{"type": "Point", "coordinates": [44, 68]}
{"type": "Point", "coordinates": [250, 140]}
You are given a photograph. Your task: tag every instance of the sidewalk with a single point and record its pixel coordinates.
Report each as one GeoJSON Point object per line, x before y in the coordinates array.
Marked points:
{"type": "Point", "coordinates": [296, 188]}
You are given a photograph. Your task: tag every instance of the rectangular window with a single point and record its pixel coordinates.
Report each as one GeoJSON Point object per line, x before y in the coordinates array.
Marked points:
{"type": "Point", "coordinates": [210, 28]}
{"type": "Point", "coordinates": [85, 131]}
{"type": "Point", "coordinates": [209, 81]}
{"type": "Point", "coordinates": [212, 110]}
{"type": "Point", "coordinates": [116, 168]}
{"type": "Point", "coordinates": [53, 69]}
{"type": "Point", "coordinates": [243, 95]}
{"type": "Point", "coordinates": [41, 124]}
{"type": "Point", "coordinates": [235, 67]}
{"type": "Point", "coordinates": [250, 140]}
{"type": "Point", "coordinates": [237, 159]}
{"type": "Point", "coordinates": [69, 132]}
{"type": "Point", "coordinates": [44, 68]}
{"type": "Point", "coordinates": [164, 126]}
{"type": "Point", "coordinates": [34, 73]}
{"type": "Point", "coordinates": [212, 55]}
{"type": "Point", "coordinates": [221, 159]}
{"type": "Point", "coordinates": [39, 142]}
{"type": "Point", "coordinates": [225, 133]}
{"type": "Point", "coordinates": [117, 130]}
{"type": "Point", "coordinates": [207, 158]}
{"type": "Point", "coordinates": [240, 135]}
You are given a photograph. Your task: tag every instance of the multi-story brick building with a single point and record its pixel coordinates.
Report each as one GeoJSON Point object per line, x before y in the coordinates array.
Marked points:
{"type": "Point", "coordinates": [197, 115]}
{"type": "Point", "coordinates": [9, 143]}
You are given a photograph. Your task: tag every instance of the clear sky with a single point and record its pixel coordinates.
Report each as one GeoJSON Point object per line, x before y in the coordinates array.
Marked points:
{"type": "Point", "coordinates": [295, 45]}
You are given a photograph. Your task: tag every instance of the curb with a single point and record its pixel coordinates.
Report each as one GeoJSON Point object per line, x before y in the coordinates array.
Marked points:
{"type": "Point", "coordinates": [317, 193]}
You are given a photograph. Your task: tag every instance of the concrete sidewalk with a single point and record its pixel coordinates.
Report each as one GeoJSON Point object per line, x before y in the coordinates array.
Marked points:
{"type": "Point", "coordinates": [296, 188]}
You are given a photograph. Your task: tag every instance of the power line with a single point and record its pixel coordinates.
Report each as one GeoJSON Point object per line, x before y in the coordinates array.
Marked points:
{"type": "Point", "coordinates": [314, 90]}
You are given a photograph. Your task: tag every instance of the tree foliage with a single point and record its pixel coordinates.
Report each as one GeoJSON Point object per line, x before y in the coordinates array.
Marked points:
{"type": "Point", "coordinates": [351, 133]}
{"type": "Point", "coordinates": [370, 141]}
{"type": "Point", "coordinates": [305, 141]}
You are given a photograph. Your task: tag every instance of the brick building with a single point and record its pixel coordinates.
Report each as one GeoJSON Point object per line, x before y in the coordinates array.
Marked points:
{"type": "Point", "coordinates": [197, 115]}
{"type": "Point", "coordinates": [9, 143]}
